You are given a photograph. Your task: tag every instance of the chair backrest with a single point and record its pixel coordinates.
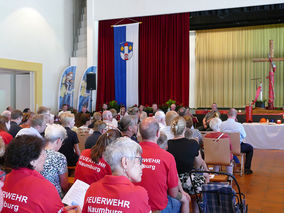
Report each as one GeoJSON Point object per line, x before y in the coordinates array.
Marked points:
{"type": "Point", "coordinates": [235, 141]}
{"type": "Point", "coordinates": [217, 151]}
{"type": "Point", "coordinates": [82, 136]}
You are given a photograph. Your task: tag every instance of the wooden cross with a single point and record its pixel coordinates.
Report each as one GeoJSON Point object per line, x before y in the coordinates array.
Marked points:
{"type": "Point", "coordinates": [272, 69]}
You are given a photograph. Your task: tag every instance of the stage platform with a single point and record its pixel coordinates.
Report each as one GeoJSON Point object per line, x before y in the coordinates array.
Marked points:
{"type": "Point", "coordinates": [257, 114]}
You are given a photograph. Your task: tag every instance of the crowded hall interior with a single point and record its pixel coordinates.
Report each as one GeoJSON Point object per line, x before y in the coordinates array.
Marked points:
{"type": "Point", "coordinates": [141, 106]}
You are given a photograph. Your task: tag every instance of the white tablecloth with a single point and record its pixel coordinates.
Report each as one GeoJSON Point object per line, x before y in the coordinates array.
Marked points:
{"type": "Point", "coordinates": [265, 136]}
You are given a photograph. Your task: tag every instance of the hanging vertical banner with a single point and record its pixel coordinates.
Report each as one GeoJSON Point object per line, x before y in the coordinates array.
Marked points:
{"type": "Point", "coordinates": [126, 42]}
{"type": "Point", "coordinates": [66, 87]}
{"type": "Point", "coordinates": [84, 97]}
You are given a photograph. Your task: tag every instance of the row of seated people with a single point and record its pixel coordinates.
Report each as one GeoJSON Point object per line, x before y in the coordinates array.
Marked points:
{"type": "Point", "coordinates": [152, 163]}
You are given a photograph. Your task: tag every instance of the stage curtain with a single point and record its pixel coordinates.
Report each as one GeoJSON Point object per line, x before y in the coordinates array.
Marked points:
{"type": "Point", "coordinates": [163, 59]}
{"type": "Point", "coordinates": [105, 88]}
{"type": "Point", "coordinates": [224, 66]}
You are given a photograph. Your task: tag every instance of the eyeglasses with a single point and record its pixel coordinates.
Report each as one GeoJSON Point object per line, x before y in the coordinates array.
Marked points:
{"type": "Point", "coordinates": [140, 159]}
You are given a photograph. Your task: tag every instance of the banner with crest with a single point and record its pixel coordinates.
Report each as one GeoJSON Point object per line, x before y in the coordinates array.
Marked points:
{"type": "Point", "coordinates": [126, 44]}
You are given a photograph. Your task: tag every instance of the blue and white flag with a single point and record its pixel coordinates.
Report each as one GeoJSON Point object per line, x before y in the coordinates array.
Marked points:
{"type": "Point", "coordinates": [126, 44]}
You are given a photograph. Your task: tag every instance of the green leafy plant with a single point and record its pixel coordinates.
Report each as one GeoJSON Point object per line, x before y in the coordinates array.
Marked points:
{"type": "Point", "coordinates": [113, 104]}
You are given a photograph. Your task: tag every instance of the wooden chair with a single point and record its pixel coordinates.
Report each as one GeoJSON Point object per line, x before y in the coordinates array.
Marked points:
{"type": "Point", "coordinates": [82, 134]}
{"type": "Point", "coordinates": [217, 151]}
{"type": "Point", "coordinates": [236, 149]}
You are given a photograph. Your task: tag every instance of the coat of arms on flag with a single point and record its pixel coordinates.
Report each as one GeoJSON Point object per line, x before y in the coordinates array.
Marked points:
{"type": "Point", "coordinates": [126, 50]}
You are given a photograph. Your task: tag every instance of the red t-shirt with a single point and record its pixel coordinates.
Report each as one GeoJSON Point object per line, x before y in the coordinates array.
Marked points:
{"type": "Point", "coordinates": [26, 190]}
{"type": "Point", "coordinates": [217, 135]}
{"type": "Point", "coordinates": [159, 174]}
{"type": "Point", "coordinates": [89, 171]}
{"type": "Point", "coordinates": [6, 136]}
{"type": "Point", "coordinates": [116, 194]}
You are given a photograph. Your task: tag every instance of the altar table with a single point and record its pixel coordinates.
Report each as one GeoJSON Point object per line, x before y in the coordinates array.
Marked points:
{"type": "Point", "coordinates": [265, 135]}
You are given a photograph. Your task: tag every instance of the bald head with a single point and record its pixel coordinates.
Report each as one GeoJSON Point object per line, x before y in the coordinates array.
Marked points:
{"type": "Point", "coordinates": [149, 129]}
{"type": "Point", "coordinates": [232, 113]}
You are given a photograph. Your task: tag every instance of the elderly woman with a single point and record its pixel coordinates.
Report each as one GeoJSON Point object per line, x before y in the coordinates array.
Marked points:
{"type": "Point", "coordinates": [25, 189]}
{"type": "Point", "coordinates": [91, 166]}
{"type": "Point", "coordinates": [70, 147]}
{"type": "Point", "coordinates": [115, 192]}
{"type": "Point", "coordinates": [55, 166]}
{"type": "Point", "coordinates": [187, 155]}
{"type": "Point", "coordinates": [3, 130]}
{"type": "Point", "coordinates": [215, 124]}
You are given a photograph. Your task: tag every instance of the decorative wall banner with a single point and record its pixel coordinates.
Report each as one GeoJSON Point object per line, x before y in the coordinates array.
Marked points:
{"type": "Point", "coordinates": [126, 43]}
{"type": "Point", "coordinates": [84, 97]}
{"type": "Point", "coordinates": [66, 87]}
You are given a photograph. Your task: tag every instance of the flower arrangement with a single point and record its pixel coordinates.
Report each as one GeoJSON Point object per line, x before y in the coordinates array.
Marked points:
{"type": "Point", "coordinates": [148, 109]}
{"type": "Point", "coordinates": [113, 104]}
{"type": "Point", "coordinates": [170, 102]}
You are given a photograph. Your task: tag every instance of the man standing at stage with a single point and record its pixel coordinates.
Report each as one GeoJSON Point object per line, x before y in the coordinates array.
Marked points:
{"type": "Point", "coordinates": [230, 125]}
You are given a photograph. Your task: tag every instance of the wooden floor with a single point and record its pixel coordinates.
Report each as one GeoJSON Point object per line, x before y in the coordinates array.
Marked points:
{"type": "Point", "coordinates": [264, 189]}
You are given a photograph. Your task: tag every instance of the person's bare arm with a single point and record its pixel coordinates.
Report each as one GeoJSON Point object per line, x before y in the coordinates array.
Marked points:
{"type": "Point", "coordinates": [173, 192]}
{"type": "Point", "coordinates": [77, 150]}
{"type": "Point", "coordinates": [64, 181]}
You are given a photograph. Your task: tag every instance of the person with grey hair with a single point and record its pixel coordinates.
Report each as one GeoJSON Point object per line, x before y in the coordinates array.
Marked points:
{"type": "Point", "coordinates": [215, 124]}
{"type": "Point", "coordinates": [38, 125]}
{"type": "Point", "coordinates": [107, 118]}
{"type": "Point", "coordinates": [160, 176]}
{"type": "Point", "coordinates": [160, 117]}
{"type": "Point", "coordinates": [128, 126]}
{"type": "Point", "coordinates": [117, 190]}
{"type": "Point", "coordinates": [55, 166]}
{"type": "Point", "coordinates": [49, 118]}
{"type": "Point", "coordinates": [230, 125]}
{"type": "Point", "coordinates": [134, 111]}
{"type": "Point", "coordinates": [7, 114]}
{"type": "Point", "coordinates": [99, 129]}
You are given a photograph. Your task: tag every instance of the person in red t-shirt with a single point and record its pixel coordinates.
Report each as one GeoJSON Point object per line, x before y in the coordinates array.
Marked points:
{"type": "Point", "coordinates": [2, 177]}
{"type": "Point", "coordinates": [3, 130]}
{"type": "Point", "coordinates": [116, 192]}
{"type": "Point", "coordinates": [25, 189]}
{"type": "Point", "coordinates": [160, 177]}
{"type": "Point", "coordinates": [91, 166]}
